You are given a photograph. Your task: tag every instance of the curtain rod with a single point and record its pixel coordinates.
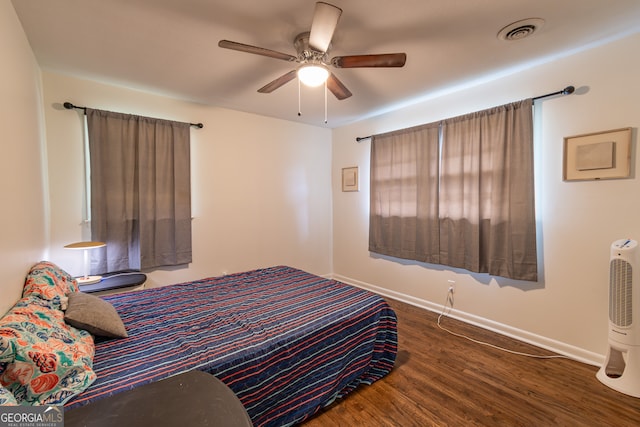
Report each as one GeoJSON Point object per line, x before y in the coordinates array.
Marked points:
{"type": "Point", "coordinates": [70, 106]}
{"type": "Point", "coordinates": [566, 91]}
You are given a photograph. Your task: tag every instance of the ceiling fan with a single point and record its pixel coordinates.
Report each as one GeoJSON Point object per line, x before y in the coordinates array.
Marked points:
{"type": "Point", "coordinates": [312, 54]}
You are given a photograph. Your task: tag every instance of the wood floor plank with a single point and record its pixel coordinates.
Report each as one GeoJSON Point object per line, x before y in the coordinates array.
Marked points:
{"type": "Point", "coordinates": [443, 380]}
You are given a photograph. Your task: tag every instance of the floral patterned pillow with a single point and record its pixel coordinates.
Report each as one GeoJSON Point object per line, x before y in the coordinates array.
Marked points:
{"type": "Point", "coordinates": [6, 398]}
{"type": "Point", "coordinates": [50, 283]}
{"type": "Point", "coordinates": [42, 359]}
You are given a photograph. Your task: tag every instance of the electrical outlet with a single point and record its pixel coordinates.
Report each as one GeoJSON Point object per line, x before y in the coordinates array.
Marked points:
{"type": "Point", "coordinates": [452, 286]}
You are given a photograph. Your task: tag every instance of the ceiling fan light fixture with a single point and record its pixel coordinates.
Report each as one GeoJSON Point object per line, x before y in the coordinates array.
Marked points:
{"type": "Point", "coordinates": [313, 74]}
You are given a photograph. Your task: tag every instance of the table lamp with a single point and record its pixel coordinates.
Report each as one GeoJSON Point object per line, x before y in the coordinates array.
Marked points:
{"type": "Point", "coordinates": [86, 247]}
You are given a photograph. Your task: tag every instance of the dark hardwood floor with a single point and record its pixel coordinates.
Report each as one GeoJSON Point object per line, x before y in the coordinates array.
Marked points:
{"type": "Point", "coordinates": [442, 380]}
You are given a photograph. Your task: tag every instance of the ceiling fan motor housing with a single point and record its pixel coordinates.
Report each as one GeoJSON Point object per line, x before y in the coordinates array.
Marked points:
{"type": "Point", "coordinates": [306, 54]}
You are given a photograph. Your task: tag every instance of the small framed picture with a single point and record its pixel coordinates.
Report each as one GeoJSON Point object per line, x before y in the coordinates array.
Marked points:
{"type": "Point", "coordinates": [350, 179]}
{"type": "Point", "coordinates": [600, 155]}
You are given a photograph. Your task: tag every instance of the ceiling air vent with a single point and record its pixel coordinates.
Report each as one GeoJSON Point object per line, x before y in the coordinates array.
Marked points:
{"type": "Point", "coordinates": [520, 29]}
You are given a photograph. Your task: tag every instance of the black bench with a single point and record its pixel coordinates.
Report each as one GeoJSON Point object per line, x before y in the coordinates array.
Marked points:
{"type": "Point", "coordinates": [194, 398]}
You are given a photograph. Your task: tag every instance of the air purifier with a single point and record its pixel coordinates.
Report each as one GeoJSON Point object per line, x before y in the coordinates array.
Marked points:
{"type": "Point", "coordinates": [621, 368]}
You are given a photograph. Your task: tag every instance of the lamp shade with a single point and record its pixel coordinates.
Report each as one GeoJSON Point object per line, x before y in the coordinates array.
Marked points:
{"type": "Point", "coordinates": [313, 75]}
{"type": "Point", "coordinates": [86, 279]}
{"type": "Point", "coordinates": [85, 245]}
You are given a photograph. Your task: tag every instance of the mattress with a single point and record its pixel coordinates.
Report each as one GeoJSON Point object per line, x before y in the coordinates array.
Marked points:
{"type": "Point", "coordinates": [287, 342]}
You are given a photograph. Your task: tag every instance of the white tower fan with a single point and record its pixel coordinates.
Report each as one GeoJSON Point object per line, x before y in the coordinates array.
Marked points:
{"type": "Point", "coordinates": [621, 369]}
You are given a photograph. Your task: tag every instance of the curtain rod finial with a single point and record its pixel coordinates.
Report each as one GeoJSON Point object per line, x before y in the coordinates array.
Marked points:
{"type": "Point", "coordinates": [568, 90]}
{"type": "Point", "coordinates": [68, 105]}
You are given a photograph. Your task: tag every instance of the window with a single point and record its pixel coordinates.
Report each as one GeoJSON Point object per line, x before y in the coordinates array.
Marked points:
{"type": "Point", "coordinates": [140, 190]}
{"type": "Point", "coordinates": [458, 192]}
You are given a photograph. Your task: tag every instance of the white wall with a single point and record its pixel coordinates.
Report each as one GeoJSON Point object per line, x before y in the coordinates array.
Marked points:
{"type": "Point", "coordinates": [578, 221]}
{"type": "Point", "coordinates": [261, 188]}
{"type": "Point", "coordinates": [22, 190]}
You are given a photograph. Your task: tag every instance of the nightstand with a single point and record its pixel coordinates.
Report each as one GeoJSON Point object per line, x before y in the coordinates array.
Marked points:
{"type": "Point", "coordinates": [119, 281]}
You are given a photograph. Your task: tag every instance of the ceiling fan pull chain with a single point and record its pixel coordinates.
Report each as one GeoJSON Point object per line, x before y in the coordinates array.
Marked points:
{"type": "Point", "coordinates": [299, 112]}
{"type": "Point", "coordinates": [325, 101]}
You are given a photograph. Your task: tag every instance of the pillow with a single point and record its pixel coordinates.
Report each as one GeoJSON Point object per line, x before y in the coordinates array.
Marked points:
{"type": "Point", "coordinates": [6, 398]}
{"type": "Point", "coordinates": [49, 282]}
{"type": "Point", "coordinates": [44, 361]}
{"type": "Point", "coordinates": [93, 314]}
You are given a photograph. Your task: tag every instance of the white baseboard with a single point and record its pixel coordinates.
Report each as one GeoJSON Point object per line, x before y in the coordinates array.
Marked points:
{"type": "Point", "coordinates": [565, 349]}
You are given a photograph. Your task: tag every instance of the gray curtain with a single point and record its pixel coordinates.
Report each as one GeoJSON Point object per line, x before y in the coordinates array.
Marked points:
{"type": "Point", "coordinates": [487, 204]}
{"type": "Point", "coordinates": [403, 216]}
{"type": "Point", "coordinates": [140, 190]}
{"type": "Point", "coordinates": [458, 193]}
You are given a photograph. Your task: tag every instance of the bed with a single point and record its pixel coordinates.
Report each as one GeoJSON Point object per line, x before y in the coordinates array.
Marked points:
{"type": "Point", "coordinates": [287, 342]}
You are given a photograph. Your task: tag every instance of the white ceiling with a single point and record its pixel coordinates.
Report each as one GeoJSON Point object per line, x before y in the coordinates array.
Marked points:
{"type": "Point", "coordinates": [170, 47]}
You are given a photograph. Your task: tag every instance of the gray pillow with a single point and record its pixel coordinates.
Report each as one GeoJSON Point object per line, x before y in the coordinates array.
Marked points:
{"type": "Point", "coordinates": [95, 315]}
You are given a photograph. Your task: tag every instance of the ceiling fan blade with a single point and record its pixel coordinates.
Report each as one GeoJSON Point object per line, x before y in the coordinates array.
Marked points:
{"type": "Point", "coordinates": [337, 88]}
{"type": "Point", "coordinates": [280, 81]}
{"type": "Point", "coordinates": [325, 20]}
{"type": "Point", "coordinates": [381, 60]}
{"type": "Point", "coordinates": [227, 44]}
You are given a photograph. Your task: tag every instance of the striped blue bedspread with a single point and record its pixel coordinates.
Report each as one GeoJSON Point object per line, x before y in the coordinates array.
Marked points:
{"type": "Point", "coordinates": [285, 341]}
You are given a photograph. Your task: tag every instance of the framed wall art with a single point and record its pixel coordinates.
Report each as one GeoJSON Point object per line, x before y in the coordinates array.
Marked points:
{"type": "Point", "coordinates": [350, 179]}
{"type": "Point", "coordinates": [600, 155]}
